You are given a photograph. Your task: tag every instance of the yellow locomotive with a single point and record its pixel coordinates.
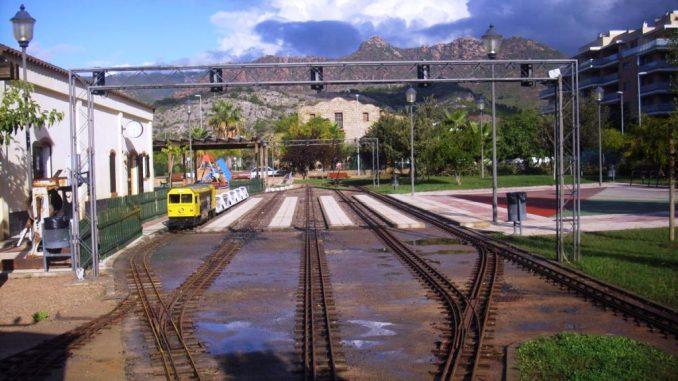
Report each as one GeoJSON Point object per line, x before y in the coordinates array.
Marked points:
{"type": "Point", "coordinates": [190, 205]}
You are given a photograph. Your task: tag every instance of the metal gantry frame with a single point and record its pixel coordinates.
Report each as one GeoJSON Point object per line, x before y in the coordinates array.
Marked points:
{"type": "Point", "coordinates": [85, 87]}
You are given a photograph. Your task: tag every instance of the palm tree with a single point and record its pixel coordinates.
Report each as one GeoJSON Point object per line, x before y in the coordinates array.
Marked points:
{"type": "Point", "coordinates": [200, 133]}
{"type": "Point", "coordinates": [225, 119]}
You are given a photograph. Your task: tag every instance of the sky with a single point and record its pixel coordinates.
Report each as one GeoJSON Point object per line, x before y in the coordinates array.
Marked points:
{"type": "Point", "coordinates": [86, 33]}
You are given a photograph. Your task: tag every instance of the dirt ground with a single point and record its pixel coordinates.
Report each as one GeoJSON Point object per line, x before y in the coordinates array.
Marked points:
{"type": "Point", "coordinates": [69, 303]}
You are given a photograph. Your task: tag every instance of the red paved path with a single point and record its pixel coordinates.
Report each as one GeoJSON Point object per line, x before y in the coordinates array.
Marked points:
{"type": "Point", "coordinates": [541, 203]}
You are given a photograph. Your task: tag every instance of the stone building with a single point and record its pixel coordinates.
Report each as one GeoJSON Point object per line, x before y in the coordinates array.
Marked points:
{"type": "Point", "coordinates": [352, 114]}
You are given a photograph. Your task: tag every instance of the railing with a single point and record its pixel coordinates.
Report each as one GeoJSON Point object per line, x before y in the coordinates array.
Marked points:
{"type": "Point", "coordinates": [646, 47]}
{"type": "Point", "coordinates": [657, 86]}
{"type": "Point", "coordinates": [608, 98]}
{"type": "Point", "coordinates": [598, 63]}
{"type": "Point", "coordinates": [253, 186]}
{"type": "Point", "coordinates": [657, 65]}
{"type": "Point", "coordinates": [598, 81]}
{"type": "Point", "coordinates": [658, 108]}
{"type": "Point", "coordinates": [119, 221]}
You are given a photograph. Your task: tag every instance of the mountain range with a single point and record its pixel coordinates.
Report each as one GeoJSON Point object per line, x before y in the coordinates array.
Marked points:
{"type": "Point", "coordinates": [271, 103]}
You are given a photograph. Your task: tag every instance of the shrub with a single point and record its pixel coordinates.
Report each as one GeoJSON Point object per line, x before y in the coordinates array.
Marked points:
{"type": "Point", "coordinates": [40, 316]}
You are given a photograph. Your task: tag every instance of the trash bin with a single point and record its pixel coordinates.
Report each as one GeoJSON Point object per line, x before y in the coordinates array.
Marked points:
{"type": "Point", "coordinates": [55, 233]}
{"type": "Point", "coordinates": [517, 206]}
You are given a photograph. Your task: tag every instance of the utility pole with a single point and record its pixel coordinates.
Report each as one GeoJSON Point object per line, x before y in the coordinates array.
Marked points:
{"type": "Point", "coordinates": [190, 142]}
{"type": "Point", "coordinates": [357, 124]}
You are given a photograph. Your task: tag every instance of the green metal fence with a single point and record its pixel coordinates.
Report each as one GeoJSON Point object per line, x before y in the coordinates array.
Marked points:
{"type": "Point", "coordinates": [253, 186]}
{"type": "Point", "coordinates": [120, 220]}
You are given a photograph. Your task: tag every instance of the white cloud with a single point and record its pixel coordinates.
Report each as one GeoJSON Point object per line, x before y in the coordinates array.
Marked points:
{"type": "Point", "coordinates": [238, 37]}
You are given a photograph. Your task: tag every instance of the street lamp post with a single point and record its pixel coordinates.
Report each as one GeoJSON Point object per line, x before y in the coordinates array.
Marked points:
{"type": "Point", "coordinates": [190, 142]}
{"type": "Point", "coordinates": [640, 107]}
{"type": "Point", "coordinates": [621, 108]}
{"type": "Point", "coordinates": [492, 44]}
{"type": "Point", "coordinates": [411, 97]}
{"type": "Point", "coordinates": [480, 102]}
{"type": "Point", "coordinates": [22, 26]}
{"type": "Point", "coordinates": [357, 141]}
{"type": "Point", "coordinates": [599, 92]}
{"type": "Point", "coordinates": [200, 106]}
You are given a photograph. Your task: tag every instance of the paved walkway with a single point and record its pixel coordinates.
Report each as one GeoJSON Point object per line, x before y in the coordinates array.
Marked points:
{"type": "Point", "coordinates": [334, 214]}
{"type": "Point", "coordinates": [613, 207]}
{"type": "Point", "coordinates": [391, 215]}
{"type": "Point", "coordinates": [283, 217]}
{"type": "Point", "coordinates": [222, 222]}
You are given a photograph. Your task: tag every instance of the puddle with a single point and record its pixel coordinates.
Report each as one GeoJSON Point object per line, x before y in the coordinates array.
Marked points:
{"type": "Point", "coordinates": [239, 336]}
{"type": "Point", "coordinates": [435, 241]}
{"type": "Point", "coordinates": [534, 326]}
{"type": "Point", "coordinates": [360, 344]}
{"type": "Point", "coordinates": [374, 328]}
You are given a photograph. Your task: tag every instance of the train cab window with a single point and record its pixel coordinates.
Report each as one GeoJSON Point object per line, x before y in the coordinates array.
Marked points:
{"type": "Point", "coordinates": [174, 199]}
{"type": "Point", "coordinates": [186, 198]}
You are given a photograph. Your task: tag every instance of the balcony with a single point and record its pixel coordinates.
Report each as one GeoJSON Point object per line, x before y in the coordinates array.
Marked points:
{"type": "Point", "coordinates": [658, 65]}
{"type": "Point", "coordinates": [658, 108]}
{"type": "Point", "coordinates": [660, 43]}
{"type": "Point", "coordinates": [549, 92]}
{"type": "Point", "coordinates": [599, 63]}
{"type": "Point", "coordinates": [598, 81]}
{"type": "Point", "coordinates": [610, 98]}
{"type": "Point", "coordinates": [655, 88]}
{"type": "Point", "coordinates": [548, 109]}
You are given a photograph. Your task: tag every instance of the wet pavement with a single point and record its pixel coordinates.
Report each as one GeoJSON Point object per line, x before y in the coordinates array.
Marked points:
{"type": "Point", "coordinates": [248, 317]}
{"type": "Point", "coordinates": [388, 324]}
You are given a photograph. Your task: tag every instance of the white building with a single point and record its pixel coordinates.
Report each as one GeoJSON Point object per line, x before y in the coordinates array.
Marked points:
{"type": "Point", "coordinates": [123, 165]}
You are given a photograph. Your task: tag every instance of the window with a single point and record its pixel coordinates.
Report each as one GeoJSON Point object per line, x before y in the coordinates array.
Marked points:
{"type": "Point", "coordinates": [174, 199]}
{"type": "Point", "coordinates": [42, 166]}
{"type": "Point", "coordinates": [111, 171]}
{"type": "Point", "coordinates": [147, 166]}
{"type": "Point", "coordinates": [339, 119]}
{"type": "Point", "coordinates": [311, 116]}
{"type": "Point", "coordinates": [366, 117]}
{"type": "Point", "coordinates": [186, 198]}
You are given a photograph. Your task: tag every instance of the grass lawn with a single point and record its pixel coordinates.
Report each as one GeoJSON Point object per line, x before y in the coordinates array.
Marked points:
{"type": "Point", "coordinates": [571, 356]}
{"type": "Point", "coordinates": [639, 260]}
{"type": "Point", "coordinates": [444, 182]}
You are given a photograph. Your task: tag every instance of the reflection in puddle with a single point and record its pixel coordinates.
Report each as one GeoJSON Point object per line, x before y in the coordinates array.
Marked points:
{"type": "Point", "coordinates": [360, 344]}
{"type": "Point", "coordinates": [239, 336]}
{"type": "Point", "coordinates": [374, 328]}
{"type": "Point", "coordinates": [435, 241]}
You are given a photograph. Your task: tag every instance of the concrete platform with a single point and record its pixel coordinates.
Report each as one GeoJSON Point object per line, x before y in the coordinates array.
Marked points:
{"type": "Point", "coordinates": [334, 214]}
{"type": "Point", "coordinates": [232, 215]}
{"type": "Point", "coordinates": [283, 217]}
{"type": "Point", "coordinates": [461, 216]}
{"type": "Point", "coordinates": [391, 215]}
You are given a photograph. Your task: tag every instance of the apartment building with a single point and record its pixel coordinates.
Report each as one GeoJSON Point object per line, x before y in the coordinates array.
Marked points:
{"type": "Point", "coordinates": [632, 68]}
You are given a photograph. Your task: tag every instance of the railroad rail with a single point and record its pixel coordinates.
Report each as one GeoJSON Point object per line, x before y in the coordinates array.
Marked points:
{"type": "Point", "coordinates": [318, 339]}
{"type": "Point", "coordinates": [37, 361]}
{"type": "Point", "coordinates": [169, 317]}
{"type": "Point", "coordinates": [461, 350]}
{"type": "Point", "coordinates": [655, 315]}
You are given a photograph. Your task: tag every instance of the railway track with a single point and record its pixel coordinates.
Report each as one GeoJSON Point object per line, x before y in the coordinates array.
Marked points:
{"type": "Point", "coordinates": [178, 353]}
{"type": "Point", "coordinates": [36, 362]}
{"type": "Point", "coordinates": [316, 329]}
{"type": "Point", "coordinates": [467, 313]}
{"type": "Point", "coordinates": [654, 315]}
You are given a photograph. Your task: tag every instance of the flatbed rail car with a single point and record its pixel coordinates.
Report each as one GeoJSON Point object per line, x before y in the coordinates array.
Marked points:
{"type": "Point", "coordinates": [190, 205]}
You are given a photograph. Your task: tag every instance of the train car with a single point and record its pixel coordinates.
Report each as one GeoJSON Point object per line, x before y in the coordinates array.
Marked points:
{"type": "Point", "coordinates": [190, 205]}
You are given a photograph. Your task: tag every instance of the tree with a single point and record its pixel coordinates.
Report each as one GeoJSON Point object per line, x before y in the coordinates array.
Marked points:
{"type": "Point", "coordinates": [653, 144]}
{"type": "Point", "coordinates": [303, 157]}
{"type": "Point", "coordinates": [393, 134]}
{"type": "Point", "coordinates": [452, 149]}
{"type": "Point", "coordinates": [172, 150]}
{"type": "Point", "coordinates": [18, 110]}
{"type": "Point", "coordinates": [519, 137]}
{"type": "Point", "coordinates": [200, 133]}
{"type": "Point", "coordinates": [225, 119]}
